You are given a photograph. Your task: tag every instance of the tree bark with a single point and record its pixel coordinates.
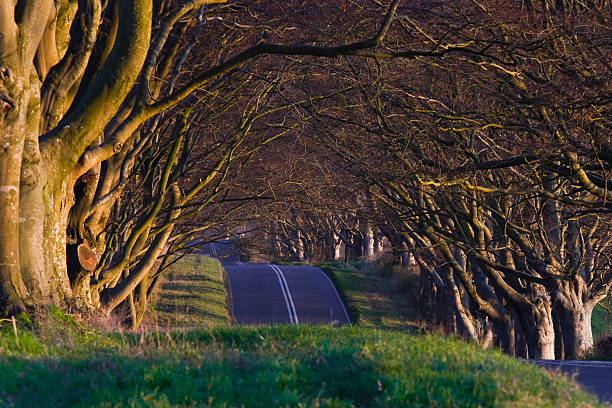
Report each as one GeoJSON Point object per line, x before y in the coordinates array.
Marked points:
{"type": "Point", "coordinates": [537, 324]}
{"type": "Point", "coordinates": [573, 309]}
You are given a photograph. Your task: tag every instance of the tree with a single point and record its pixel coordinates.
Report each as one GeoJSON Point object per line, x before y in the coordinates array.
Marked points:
{"type": "Point", "coordinates": [493, 160]}
{"type": "Point", "coordinates": [82, 85]}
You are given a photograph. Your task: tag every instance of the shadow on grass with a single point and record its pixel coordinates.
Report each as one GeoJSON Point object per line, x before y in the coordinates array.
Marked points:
{"type": "Point", "coordinates": [280, 366]}
{"type": "Point", "coordinates": [233, 380]}
{"type": "Point", "coordinates": [189, 288]}
{"type": "Point", "coordinates": [191, 295]}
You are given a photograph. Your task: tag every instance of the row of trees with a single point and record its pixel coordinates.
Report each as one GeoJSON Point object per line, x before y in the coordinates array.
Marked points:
{"type": "Point", "coordinates": [490, 157]}
{"type": "Point", "coordinates": [474, 133]}
{"type": "Point", "coordinates": [122, 122]}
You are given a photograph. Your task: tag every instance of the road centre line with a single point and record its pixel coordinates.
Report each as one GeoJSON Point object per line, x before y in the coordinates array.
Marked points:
{"type": "Point", "coordinates": [280, 282]}
{"type": "Point", "coordinates": [214, 251]}
{"type": "Point", "coordinates": [286, 293]}
{"type": "Point", "coordinates": [282, 275]}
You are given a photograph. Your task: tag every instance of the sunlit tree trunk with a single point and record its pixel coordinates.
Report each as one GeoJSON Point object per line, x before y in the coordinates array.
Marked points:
{"type": "Point", "coordinates": [573, 307]}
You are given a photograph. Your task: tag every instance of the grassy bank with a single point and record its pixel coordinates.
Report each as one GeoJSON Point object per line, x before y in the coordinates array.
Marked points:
{"type": "Point", "coordinates": [375, 297]}
{"type": "Point", "coordinates": [191, 295]}
{"type": "Point", "coordinates": [72, 365]}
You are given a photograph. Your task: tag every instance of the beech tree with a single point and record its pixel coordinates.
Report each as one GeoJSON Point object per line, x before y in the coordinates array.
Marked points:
{"type": "Point", "coordinates": [492, 163]}
{"type": "Point", "coordinates": [82, 82]}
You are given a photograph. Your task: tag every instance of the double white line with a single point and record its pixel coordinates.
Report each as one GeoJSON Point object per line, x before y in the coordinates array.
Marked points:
{"type": "Point", "coordinates": [293, 319]}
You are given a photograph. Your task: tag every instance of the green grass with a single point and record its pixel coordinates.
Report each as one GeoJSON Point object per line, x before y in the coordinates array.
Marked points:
{"type": "Point", "coordinates": [283, 366]}
{"type": "Point", "coordinates": [601, 323]}
{"type": "Point", "coordinates": [191, 295]}
{"type": "Point", "coordinates": [601, 320]}
{"type": "Point", "coordinates": [375, 296]}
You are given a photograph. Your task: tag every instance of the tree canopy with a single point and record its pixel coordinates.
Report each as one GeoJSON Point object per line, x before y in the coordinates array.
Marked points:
{"type": "Point", "coordinates": [472, 134]}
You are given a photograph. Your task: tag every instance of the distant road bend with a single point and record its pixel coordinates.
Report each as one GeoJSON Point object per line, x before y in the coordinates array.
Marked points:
{"type": "Point", "coordinates": [277, 294]}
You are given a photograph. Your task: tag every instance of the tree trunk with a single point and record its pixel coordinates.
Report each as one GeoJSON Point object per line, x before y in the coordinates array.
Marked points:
{"type": "Point", "coordinates": [299, 247]}
{"type": "Point", "coordinates": [573, 312]}
{"type": "Point", "coordinates": [537, 324]}
{"type": "Point", "coordinates": [379, 247]}
{"type": "Point", "coordinates": [57, 204]}
{"type": "Point", "coordinates": [336, 246]}
{"type": "Point", "coordinates": [506, 335]}
{"type": "Point", "coordinates": [368, 242]}
{"type": "Point", "coordinates": [31, 206]}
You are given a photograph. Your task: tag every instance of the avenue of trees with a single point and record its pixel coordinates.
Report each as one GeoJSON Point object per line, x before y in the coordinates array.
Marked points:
{"type": "Point", "coordinates": [119, 122]}
{"type": "Point", "coordinates": [472, 135]}
{"type": "Point", "coordinates": [490, 167]}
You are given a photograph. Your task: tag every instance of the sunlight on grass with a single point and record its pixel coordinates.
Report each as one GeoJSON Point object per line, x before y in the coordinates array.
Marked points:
{"type": "Point", "coordinates": [192, 295]}
{"type": "Point", "coordinates": [282, 366]}
{"type": "Point", "coordinates": [373, 300]}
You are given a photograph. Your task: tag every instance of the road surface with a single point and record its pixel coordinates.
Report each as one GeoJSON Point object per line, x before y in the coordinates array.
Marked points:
{"type": "Point", "coordinates": [277, 294]}
{"type": "Point", "coordinates": [594, 376]}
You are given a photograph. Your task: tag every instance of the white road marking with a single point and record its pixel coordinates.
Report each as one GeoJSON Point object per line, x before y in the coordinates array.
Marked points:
{"type": "Point", "coordinates": [286, 293]}
{"type": "Point", "coordinates": [231, 296]}
{"type": "Point", "coordinates": [214, 250]}
{"type": "Point", "coordinates": [280, 282]}
{"type": "Point", "coordinates": [295, 317]}
{"type": "Point", "coordinates": [348, 319]}
{"type": "Point", "coordinates": [575, 363]}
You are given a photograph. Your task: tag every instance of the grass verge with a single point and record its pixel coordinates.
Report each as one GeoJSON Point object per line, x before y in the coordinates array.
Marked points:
{"type": "Point", "coordinates": [375, 298]}
{"type": "Point", "coordinates": [601, 319]}
{"type": "Point", "coordinates": [191, 295]}
{"type": "Point", "coordinates": [266, 367]}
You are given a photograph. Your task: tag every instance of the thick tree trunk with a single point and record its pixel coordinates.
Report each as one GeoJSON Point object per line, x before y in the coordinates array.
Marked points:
{"type": "Point", "coordinates": [12, 288]}
{"type": "Point", "coordinates": [573, 310]}
{"type": "Point", "coordinates": [396, 247]}
{"type": "Point", "coordinates": [337, 250]}
{"type": "Point", "coordinates": [537, 324]}
{"type": "Point", "coordinates": [31, 207]}
{"type": "Point", "coordinates": [506, 335]}
{"type": "Point", "coordinates": [299, 246]}
{"type": "Point", "coordinates": [14, 100]}
{"type": "Point", "coordinates": [379, 247]}
{"type": "Point", "coordinates": [57, 205]}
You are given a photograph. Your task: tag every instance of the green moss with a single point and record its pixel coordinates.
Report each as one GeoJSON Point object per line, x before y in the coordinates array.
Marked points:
{"type": "Point", "coordinates": [24, 319]}
{"type": "Point", "coordinates": [57, 314]}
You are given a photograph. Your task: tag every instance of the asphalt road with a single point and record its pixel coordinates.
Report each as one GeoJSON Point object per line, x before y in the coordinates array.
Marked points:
{"type": "Point", "coordinates": [594, 376]}
{"type": "Point", "coordinates": [278, 294]}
